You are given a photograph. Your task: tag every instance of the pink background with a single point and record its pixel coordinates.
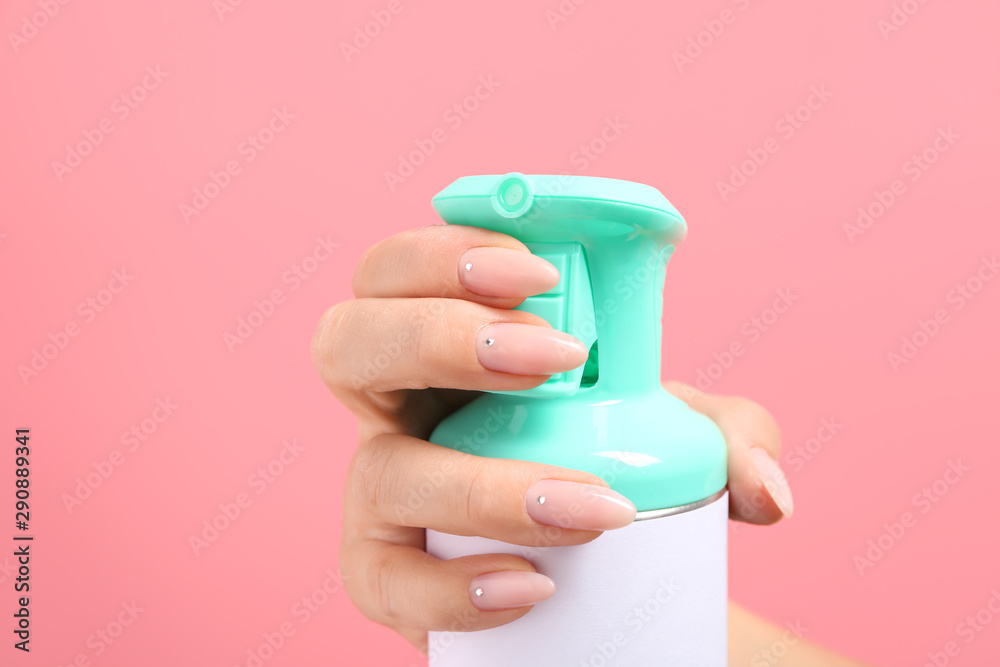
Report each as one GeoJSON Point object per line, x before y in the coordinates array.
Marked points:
{"type": "Point", "coordinates": [163, 335]}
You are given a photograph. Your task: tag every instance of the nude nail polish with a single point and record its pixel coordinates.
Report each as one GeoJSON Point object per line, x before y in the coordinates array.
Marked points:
{"type": "Point", "coordinates": [612, 242]}
{"type": "Point", "coordinates": [504, 272]}
{"type": "Point", "coordinates": [527, 349]}
{"type": "Point", "coordinates": [773, 478]}
{"type": "Point", "coordinates": [510, 589]}
{"type": "Point", "coordinates": [577, 506]}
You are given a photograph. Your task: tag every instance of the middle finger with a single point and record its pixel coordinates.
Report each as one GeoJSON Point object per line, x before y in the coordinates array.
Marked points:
{"type": "Point", "coordinates": [389, 344]}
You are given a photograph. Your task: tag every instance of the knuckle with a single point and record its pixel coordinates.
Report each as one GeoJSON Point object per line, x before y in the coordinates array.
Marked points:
{"type": "Point", "coordinates": [353, 585]}
{"type": "Point", "coordinates": [763, 421]}
{"type": "Point", "coordinates": [387, 252]}
{"type": "Point", "coordinates": [466, 498]}
{"type": "Point", "coordinates": [429, 238]}
{"type": "Point", "coordinates": [431, 328]}
{"type": "Point", "coordinates": [373, 478]}
{"type": "Point", "coordinates": [327, 335]}
{"type": "Point", "coordinates": [420, 331]}
{"type": "Point", "coordinates": [381, 580]}
{"type": "Point", "coordinates": [363, 268]}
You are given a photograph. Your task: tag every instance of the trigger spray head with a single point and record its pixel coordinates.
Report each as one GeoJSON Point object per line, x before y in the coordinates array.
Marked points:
{"type": "Point", "coordinates": [609, 240]}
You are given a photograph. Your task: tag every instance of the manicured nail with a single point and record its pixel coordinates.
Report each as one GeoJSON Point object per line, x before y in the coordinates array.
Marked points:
{"type": "Point", "coordinates": [506, 590]}
{"type": "Point", "coordinates": [506, 272]}
{"type": "Point", "coordinates": [773, 478]}
{"type": "Point", "coordinates": [577, 506]}
{"type": "Point", "coordinates": [527, 349]}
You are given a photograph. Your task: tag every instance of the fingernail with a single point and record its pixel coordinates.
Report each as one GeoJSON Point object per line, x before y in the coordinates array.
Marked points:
{"type": "Point", "coordinates": [506, 272]}
{"type": "Point", "coordinates": [773, 478]}
{"type": "Point", "coordinates": [506, 590]}
{"type": "Point", "coordinates": [527, 349]}
{"type": "Point", "coordinates": [577, 506]}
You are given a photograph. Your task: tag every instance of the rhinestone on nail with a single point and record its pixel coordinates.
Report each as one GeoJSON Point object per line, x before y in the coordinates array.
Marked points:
{"type": "Point", "coordinates": [468, 266]}
{"type": "Point", "coordinates": [479, 592]}
{"type": "Point", "coordinates": [489, 342]}
{"type": "Point", "coordinates": [541, 500]}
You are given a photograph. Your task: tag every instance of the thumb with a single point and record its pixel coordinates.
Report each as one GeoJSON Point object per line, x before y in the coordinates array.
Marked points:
{"type": "Point", "coordinates": [758, 490]}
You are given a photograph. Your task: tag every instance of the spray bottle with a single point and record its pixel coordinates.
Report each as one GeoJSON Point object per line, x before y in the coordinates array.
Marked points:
{"type": "Point", "coordinates": [652, 593]}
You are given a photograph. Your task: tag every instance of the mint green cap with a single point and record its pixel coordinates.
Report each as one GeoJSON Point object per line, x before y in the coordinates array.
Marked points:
{"type": "Point", "coordinates": [611, 241]}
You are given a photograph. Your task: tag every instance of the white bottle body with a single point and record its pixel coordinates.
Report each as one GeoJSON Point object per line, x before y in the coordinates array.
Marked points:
{"type": "Point", "coordinates": [648, 595]}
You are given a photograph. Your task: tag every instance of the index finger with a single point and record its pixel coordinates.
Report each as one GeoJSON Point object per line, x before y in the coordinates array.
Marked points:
{"type": "Point", "coordinates": [453, 261]}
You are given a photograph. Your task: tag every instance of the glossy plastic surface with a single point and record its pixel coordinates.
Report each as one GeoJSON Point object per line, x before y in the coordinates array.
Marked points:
{"type": "Point", "coordinates": [612, 418]}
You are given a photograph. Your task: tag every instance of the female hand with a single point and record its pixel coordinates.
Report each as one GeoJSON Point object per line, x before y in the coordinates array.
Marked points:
{"type": "Point", "coordinates": [409, 350]}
